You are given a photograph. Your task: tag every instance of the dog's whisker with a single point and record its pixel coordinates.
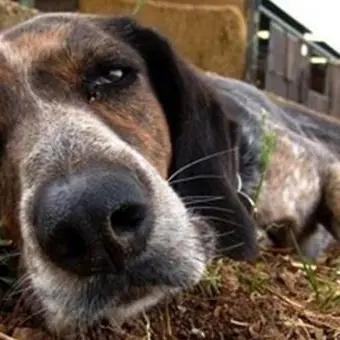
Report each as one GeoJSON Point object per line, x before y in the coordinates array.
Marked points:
{"type": "Point", "coordinates": [7, 256]}
{"type": "Point", "coordinates": [36, 313]}
{"type": "Point", "coordinates": [223, 251]}
{"type": "Point", "coordinates": [17, 288]}
{"type": "Point", "coordinates": [193, 178]}
{"type": "Point", "coordinates": [198, 196]}
{"type": "Point", "coordinates": [230, 211]}
{"type": "Point", "coordinates": [200, 160]}
{"type": "Point", "coordinates": [219, 219]}
{"type": "Point", "coordinates": [230, 232]}
{"type": "Point", "coordinates": [207, 200]}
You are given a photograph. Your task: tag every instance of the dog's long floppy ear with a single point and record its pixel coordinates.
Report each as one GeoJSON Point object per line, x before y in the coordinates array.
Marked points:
{"type": "Point", "coordinates": [204, 141]}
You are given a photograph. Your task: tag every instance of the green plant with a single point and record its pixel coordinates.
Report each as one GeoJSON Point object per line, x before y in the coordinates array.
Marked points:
{"type": "Point", "coordinates": [138, 6]}
{"type": "Point", "coordinates": [268, 147]}
{"type": "Point", "coordinates": [325, 290]}
{"type": "Point", "coordinates": [256, 281]}
{"type": "Point", "coordinates": [212, 279]}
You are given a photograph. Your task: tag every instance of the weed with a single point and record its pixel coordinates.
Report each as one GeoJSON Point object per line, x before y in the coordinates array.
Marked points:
{"type": "Point", "coordinates": [268, 147]}
{"type": "Point", "coordinates": [138, 6]}
{"type": "Point", "coordinates": [256, 281]}
{"type": "Point", "coordinates": [212, 279]}
{"type": "Point", "coordinates": [326, 292]}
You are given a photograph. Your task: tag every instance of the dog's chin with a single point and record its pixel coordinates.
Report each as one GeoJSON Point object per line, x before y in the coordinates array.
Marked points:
{"type": "Point", "coordinates": [108, 298]}
{"type": "Point", "coordinates": [97, 304]}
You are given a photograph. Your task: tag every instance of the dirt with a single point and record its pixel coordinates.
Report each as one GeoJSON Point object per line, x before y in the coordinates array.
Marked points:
{"type": "Point", "coordinates": [278, 297]}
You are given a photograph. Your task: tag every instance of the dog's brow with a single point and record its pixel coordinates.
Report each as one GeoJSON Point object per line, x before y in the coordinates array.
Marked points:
{"type": "Point", "coordinates": [9, 55]}
{"type": "Point", "coordinates": [21, 51]}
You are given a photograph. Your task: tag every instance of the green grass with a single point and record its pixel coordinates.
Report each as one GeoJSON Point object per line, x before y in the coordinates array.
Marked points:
{"type": "Point", "coordinates": [325, 291]}
{"type": "Point", "coordinates": [268, 147]}
{"type": "Point", "coordinates": [138, 6]}
{"type": "Point", "coordinates": [212, 279]}
{"type": "Point", "coordinates": [257, 281]}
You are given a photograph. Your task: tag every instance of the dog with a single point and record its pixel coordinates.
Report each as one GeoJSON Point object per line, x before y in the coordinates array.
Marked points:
{"type": "Point", "coordinates": [297, 205]}
{"type": "Point", "coordinates": [119, 168]}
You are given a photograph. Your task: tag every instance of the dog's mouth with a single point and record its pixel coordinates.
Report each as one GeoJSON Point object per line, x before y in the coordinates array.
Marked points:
{"type": "Point", "coordinates": [106, 296]}
{"type": "Point", "coordinates": [169, 263]}
{"type": "Point", "coordinates": [83, 303]}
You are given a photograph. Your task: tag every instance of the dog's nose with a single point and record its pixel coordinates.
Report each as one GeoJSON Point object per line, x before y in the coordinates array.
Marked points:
{"type": "Point", "coordinates": [94, 221]}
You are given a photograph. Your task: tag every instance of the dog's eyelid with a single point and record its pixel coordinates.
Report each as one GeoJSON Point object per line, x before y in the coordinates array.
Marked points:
{"type": "Point", "coordinates": [99, 64]}
{"type": "Point", "coordinates": [110, 75]}
{"type": "Point", "coordinates": [105, 78]}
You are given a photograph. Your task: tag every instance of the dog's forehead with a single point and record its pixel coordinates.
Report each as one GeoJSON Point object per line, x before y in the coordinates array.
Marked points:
{"type": "Point", "coordinates": [50, 33]}
{"type": "Point", "coordinates": [46, 24]}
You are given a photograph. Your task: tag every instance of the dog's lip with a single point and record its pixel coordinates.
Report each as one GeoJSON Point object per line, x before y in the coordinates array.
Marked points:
{"type": "Point", "coordinates": [138, 275]}
{"type": "Point", "coordinates": [110, 285]}
{"type": "Point", "coordinates": [107, 290]}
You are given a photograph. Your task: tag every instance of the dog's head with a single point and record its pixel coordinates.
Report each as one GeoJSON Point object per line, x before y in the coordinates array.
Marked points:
{"type": "Point", "coordinates": [117, 169]}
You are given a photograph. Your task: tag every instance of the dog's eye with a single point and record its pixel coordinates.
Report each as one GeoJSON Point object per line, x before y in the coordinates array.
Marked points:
{"type": "Point", "coordinates": [103, 82]}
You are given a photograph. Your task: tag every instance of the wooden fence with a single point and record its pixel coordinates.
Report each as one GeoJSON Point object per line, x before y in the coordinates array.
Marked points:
{"type": "Point", "coordinates": [287, 69]}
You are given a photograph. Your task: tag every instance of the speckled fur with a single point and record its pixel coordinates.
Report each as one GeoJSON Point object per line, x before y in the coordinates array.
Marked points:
{"type": "Point", "coordinates": [301, 190]}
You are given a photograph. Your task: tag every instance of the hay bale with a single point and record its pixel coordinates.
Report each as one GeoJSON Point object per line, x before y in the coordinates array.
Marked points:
{"type": "Point", "coordinates": [12, 13]}
{"type": "Point", "coordinates": [212, 37]}
{"type": "Point", "coordinates": [239, 3]}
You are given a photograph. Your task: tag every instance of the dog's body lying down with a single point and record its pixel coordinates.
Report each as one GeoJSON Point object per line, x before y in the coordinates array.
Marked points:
{"type": "Point", "coordinates": [119, 168]}
{"type": "Point", "coordinates": [298, 203]}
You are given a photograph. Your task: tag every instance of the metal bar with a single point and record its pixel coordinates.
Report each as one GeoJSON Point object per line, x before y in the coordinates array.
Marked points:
{"type": "Point", "coordinates": [293, 31]}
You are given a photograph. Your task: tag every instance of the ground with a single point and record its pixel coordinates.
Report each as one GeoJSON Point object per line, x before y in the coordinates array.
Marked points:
{"type": "Point", "coordinates": [278, 297]}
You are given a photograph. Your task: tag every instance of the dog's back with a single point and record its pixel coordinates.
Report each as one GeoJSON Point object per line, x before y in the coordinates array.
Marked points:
{"type": "Point", "coordinates": [300, 186]}
{"type": "Point", "coordinates": [293, 116]}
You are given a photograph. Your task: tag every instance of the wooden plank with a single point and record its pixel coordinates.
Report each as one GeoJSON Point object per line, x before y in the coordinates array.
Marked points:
{"type": "Point", "coordinates": [293, 58]}
{"type": "Point", "coordinates": [318, 101]}
{"type": "Point", "coordinates": [276, 84]}
{"type": "Point", "coordinates": [334, 90]}
{"type": "Point", "coordinates": [303, 81]}
{"type": "Point", "coordinates": [277, 50]}
{"type": "Point", "coordinates": [293, 91]}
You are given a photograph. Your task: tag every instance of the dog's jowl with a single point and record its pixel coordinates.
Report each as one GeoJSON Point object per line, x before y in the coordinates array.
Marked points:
{"type": "Point", "coordinates": [118, 168]}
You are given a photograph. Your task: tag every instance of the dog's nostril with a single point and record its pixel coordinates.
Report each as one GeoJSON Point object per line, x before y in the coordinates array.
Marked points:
{"type": "Point", "coordinates": [66, 245]}
{"type": "Point", "coordinates": [127, 217]}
